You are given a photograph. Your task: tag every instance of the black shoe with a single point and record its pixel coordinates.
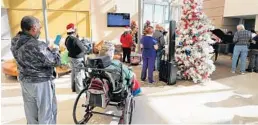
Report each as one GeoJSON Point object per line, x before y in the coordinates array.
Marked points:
{"type": "Point", "coordinates": [249, 70]}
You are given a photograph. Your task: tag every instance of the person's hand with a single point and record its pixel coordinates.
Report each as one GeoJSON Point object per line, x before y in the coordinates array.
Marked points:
{"type": "Point", "coordinates": [53, 46]}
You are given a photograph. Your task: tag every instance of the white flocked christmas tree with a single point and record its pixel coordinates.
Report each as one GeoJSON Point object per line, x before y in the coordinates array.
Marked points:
{"type": "Point", "coordinates": [193, 43]}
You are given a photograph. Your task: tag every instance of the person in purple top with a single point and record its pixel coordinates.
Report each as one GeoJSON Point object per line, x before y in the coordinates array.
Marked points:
{"type": "Point", "coordinates": [149, 47]}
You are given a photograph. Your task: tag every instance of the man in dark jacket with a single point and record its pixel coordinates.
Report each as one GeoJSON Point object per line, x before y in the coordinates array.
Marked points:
{"type": "Point", "coordinates": [253, 64]}
{"type": "Point", "coordinates": [76, 51]}
{"type": "Point", "coordinates": [36, 62]}
{"type": "Point", "coordinates": [158, 35]}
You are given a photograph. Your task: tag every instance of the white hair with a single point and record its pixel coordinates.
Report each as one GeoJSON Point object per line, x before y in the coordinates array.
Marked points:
{"type": "Point", "coordinates": [240, 27]}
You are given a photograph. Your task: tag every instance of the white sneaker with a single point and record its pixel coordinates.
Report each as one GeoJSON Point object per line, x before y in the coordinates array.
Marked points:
{"type": "Point", "coordinates": [242, 73]}
{"type": "Point", "coordinates": [233, 72]}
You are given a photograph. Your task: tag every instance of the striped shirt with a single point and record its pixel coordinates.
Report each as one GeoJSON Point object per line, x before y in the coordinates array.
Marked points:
{"type": "Point", "coordinates": [242, 37]}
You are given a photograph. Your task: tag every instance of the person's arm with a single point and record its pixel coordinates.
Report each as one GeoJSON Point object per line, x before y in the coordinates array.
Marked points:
{"type": "Point", "coordinates": [256, 38]}
{"type": "Point", "coordinates": [156, 47]}
{"type": "Point", "coordinates": [82, 47]}
{"type": "Point", "coordinates": [141, 45]}
{"type": "Point", "coordinates": [48, 57]}
{"type": "Point", "coordinates": [162, 40]}
{"type": "Point", "coordinates": [155, 43]}
{"type": "Point", "coordinates": [235, 39]}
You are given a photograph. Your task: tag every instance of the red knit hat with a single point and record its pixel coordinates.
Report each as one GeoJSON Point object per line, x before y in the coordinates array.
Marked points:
{"type": "Point", "coordinates": [70, 28]}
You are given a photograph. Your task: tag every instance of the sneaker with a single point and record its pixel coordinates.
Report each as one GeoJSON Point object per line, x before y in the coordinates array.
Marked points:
{"type": "Point", "coordinates": [233, 72]}
{"type": "Point", "coordinates": [249, 70]}
{"type": "Point", "coordinates": [242, 73]}
{"type": "Point", "coordinates": [152, 82]}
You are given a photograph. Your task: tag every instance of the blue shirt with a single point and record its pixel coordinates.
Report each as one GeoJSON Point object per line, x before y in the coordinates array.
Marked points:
{"type": "Point", "coordinates": [148, 43]}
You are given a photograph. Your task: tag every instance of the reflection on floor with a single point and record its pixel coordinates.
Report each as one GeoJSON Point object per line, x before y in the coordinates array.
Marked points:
{"type": "Point", "coordinates": [228, 98]}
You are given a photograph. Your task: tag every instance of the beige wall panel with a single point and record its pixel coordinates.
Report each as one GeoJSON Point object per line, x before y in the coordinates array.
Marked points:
{"type": "Point", "coordinates": [25, 4]}
{"type": "Point", "coordinates": [76, 5]}
{"type": "Point", "coordinates": [240, 7]}
{"type": "Point", "coordinates": [57, 21]}
{"type": "Point", "coordinates": [213, 3]}
{"type": "Point", "coordinates": [216, 21]}
{"type": "Point", "coordinates": [214, 12]}
{"type": "Point", "coordinates": [81, 24]}
{"type": "Point", "coordinates": [100, 31]}
{"type": "Point", "coordinates": [256, 23]}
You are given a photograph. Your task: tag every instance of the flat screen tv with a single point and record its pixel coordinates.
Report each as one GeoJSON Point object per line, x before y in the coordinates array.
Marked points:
{"type": "Point", "coordinates": [118, 19]}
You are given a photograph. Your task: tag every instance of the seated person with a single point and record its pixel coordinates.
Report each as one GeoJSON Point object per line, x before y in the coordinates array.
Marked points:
{"type": "Point", "coordinates": [128, 77]}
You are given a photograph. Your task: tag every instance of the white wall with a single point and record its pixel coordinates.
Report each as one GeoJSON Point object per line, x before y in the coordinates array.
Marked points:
{"type": "Point", "coordinates": [256, 23]}
{"type": "Point", "coordinates": [99, 9]}
{"type": "Point", "coordinates": [5, 29]}
{"type": "Point", "coordinates": [240, 7]}
{"type": "Point", "coordinates": [5, 33]}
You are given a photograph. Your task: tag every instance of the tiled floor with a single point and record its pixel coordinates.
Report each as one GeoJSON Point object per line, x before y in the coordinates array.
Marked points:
{"type": "Point", "coordinates": [228, 98]}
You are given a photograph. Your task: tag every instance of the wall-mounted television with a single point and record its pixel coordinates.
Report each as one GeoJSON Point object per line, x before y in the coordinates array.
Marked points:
{"type": "Point", "coordinates": [118, 19]}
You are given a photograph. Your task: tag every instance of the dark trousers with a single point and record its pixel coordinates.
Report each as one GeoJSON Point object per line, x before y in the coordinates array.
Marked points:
{"type": "Point", "coordinates": [126, 54]}
{"type": "Point", "coordinates": [148, 63]}
{"type": "Point", "coordinates": [253, 64]}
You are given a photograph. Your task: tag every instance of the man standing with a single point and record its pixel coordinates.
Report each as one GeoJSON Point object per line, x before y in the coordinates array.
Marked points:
{"type": "Point", "coordinates": [241, 40]}
{"type": "Point", "coordinates": [253, 64]}
{"type": "Point", "coordinates": [36, 62]}
{"type": "Point", "coordinates": [158, 35]}
{"type": "Point", "coordinates": [76, 52]}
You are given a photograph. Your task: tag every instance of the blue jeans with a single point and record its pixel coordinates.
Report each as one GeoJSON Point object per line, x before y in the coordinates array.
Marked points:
{"type": "Point", "coordinates": [243, 51]}
{"type": "Point", "coordinates": [158, 58]}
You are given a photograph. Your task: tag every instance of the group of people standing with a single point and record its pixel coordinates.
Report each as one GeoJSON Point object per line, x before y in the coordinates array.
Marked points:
{"type": "Point", "coordinates": [244, 41]}
{"type": "Point", "coordinates": [152, 46]}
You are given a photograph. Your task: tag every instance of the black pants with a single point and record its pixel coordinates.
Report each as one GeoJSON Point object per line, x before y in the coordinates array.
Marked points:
{"type": "Point", "coordinates": [126, 54]}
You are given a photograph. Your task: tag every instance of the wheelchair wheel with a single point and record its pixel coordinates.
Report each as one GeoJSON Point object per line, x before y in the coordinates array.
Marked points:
{"type": "Point", "coordinates": [128, 111]}
{"type": "Point", "coordinates": [81, 111]}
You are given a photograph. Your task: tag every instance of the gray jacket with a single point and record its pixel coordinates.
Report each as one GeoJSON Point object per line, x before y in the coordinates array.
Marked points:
{"type": "Point", "coordinates": [160, 38]}
{"type": "Point", "coordinates": [34, 59]}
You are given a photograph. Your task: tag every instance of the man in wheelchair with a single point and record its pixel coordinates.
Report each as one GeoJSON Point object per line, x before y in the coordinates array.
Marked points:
{"type": "Point", "coordinates": [107, 82]}
{"type": "Point", "coordinates": [109, 79]}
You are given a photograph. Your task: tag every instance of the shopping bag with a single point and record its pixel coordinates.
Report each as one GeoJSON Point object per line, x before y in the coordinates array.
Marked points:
{"type": "Point", "coordinates": [136, 87]}
{"type": "Point", "coordinates": [64, 58]}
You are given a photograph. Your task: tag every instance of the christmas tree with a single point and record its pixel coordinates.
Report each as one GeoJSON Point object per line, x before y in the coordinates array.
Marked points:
{"type": "Point", "coordinates": [193, 43]}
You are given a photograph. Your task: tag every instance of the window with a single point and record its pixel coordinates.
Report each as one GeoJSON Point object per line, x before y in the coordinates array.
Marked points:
{"type": "Point", "coordinates": [158, 14]}
{"type": "Point", "coordinates": [148, 13]}
{"type": "Point", "coordinates": [166, 13]}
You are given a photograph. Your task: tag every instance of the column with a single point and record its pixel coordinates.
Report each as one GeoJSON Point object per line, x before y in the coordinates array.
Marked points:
{"type": "Point", "coordinates": [256, 23]}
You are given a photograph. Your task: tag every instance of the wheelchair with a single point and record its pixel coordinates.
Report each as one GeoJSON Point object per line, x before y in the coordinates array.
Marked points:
{"type": "Point", "coordinates": [102, 88]}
